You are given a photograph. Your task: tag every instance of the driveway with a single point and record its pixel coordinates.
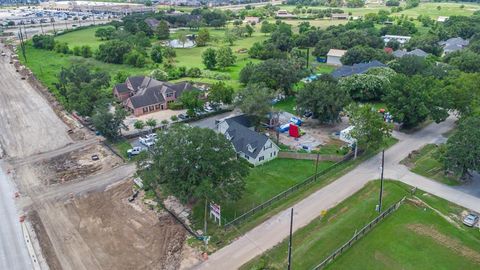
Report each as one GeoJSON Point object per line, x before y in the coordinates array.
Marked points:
{"type": "Point", "coordinates": [209, 122]}
{"type": "Point", "coordinates": [275, 229]}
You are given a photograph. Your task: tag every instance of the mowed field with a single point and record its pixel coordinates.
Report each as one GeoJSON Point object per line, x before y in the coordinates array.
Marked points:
{"type": "Point", "coordinates": [414, 237]}
{"type": "Point", "coordinates": [430, 9]}
{"type": "Point", "coordinates": [268, 180]}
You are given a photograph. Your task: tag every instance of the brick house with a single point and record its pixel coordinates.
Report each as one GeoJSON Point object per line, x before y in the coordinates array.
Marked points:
{"type": "Point", "coordinates": [141, 95]}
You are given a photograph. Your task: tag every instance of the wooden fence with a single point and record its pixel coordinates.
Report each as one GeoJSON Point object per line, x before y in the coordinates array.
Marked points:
{"type": "Point", "coordinates": [359, 235]}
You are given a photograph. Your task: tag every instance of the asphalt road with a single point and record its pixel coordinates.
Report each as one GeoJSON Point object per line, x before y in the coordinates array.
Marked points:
{"type": "Point", "coordinates": [13, 251]}
{"type": "Point", "coordinates": [275, 229]}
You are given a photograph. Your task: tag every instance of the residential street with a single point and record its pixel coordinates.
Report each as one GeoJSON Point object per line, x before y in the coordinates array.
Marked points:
{"type": "Point", "coordinates": [274, 230]}
{"type": "Point", "coordinates": [13, 252]}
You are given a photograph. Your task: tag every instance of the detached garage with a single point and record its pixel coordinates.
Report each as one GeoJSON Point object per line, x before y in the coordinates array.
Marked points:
{"type": "Point", "coordinates": [334, 55]}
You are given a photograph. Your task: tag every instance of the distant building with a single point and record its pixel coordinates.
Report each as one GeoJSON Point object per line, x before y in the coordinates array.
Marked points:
{"type": "Point", "coordinates": [251, 20]}
{"type": "Point", "coordinates": [254, 147]}
{"type": "Point", "coordinates": [416, 52]}
{"type": "Point", "coordinates": [334, 55]}
{"type": "Point", "coordinates": [141, 95]}
{"type": "Point", "coordinates": [284, 14]}
{"type": "Point", "coordinates": [361, 68]}
{"type": "Point", "coordinates": [453, 44]}
{"type": "Point", "coordinates": [339, 16]}
{"type": "Point", "coordinates": [401, 39]}
{"type": "Point", "coordinates": [442, 18]}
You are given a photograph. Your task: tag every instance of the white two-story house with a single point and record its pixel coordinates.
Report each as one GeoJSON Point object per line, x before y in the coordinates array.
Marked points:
{"type": "Point", "coordinates": [254, 147]}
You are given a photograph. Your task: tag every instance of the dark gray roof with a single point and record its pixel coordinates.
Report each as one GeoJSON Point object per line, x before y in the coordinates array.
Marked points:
{"type": "Point", "coordinates": [152, 23]}
{"type": "Point", "coordinates": [122, 88]}
{"type": "Point", "coordinates": [454, 44]}
{"type": "Point", "coordinates": [241, 119]}
{"type": "Point", "coordinates": [136, 81]}
{"type": "Point", "coordinates": [149, 97]}
{"type": "Point", "coordinates": [416, 52]}
{"type": "Point", "coordinates": [346, 71]}
{"type": "Point", "coordinates": [148, 91]}
{"type": "Point", "coordinates": [241, 136]}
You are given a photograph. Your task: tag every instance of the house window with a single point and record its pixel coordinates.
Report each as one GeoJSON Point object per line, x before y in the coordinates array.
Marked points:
{"type": "Point", "coordinates": [145, 109]}
{"type": "Point", "coordinates": [169, 94]}
{"type": "Point", "coordinates": [152, 108]}
{"type": "Point", "coordinates": [261, 158]}
{"type": "Point", "coordinates": [246, 157]}
{"type": "Point", "coordinates": [157, 107]}
{"type": "Point", "coordinates": [267, 146]}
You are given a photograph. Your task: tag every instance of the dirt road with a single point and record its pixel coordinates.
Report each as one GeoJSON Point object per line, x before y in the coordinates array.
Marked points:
{"type": "Point", "coordinates": [27, 123]}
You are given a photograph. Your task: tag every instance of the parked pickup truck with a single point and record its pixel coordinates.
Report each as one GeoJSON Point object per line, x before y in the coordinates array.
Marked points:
{"type": "Point", "coordinates": [135, 151]}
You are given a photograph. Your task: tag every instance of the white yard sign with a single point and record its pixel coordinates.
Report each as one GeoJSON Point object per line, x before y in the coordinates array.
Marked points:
{"type": "Point", "coordinates": [215, 211]}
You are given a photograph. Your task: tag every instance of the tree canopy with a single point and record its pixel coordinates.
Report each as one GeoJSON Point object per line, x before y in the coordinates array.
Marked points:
{"type": "Point", "coordinates": [191, 164]}
{"type": "Point", "coordinates": [324, 98]}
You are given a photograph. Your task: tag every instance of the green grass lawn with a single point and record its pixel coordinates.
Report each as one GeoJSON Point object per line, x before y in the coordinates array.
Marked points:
{"type": "Point", "coordinates": [411, 238]}
{"type": "Point", "coordinates": [266, 181]}
{"type": "Point", "coordinates": [81, 37]}
{"type": "Point", "coordinates": [47, 71]}
{"type": "Point", "coordinates": [427, 163]}
{"type": "Point", "coordinates": [121, 147]}
{"type": "Point", "coordinates": [286, 105]}
{"type": "Point", "coordinates": [430, 9]}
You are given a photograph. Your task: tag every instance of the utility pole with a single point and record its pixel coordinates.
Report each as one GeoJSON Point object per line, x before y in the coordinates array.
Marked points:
{"type": "Point", "coordinates": [205, 224]}
{"type": "Point", "coordinates": [381, 183]}
{"type": "Point", "coordinates": [316, 166]}
{"type": "Point", "coordinates": [41, 27]}
{"type": "Point", "coordinates": [290, 242]}
{"type": "Point", "coordinates": [308, 56]}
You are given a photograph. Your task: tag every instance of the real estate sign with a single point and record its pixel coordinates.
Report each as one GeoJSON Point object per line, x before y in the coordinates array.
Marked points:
{"type": "Point", "coordinates": [215, 211]}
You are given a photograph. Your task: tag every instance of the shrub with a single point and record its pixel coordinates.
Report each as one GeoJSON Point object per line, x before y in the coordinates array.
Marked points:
{"type": "Point", "coordinates": [176, 105]}
{"type": "Point", "coordinates": [194, 72]}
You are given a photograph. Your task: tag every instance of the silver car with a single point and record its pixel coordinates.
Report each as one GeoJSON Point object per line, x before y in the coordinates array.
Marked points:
{"type": "Point", "coordinates": [470, 220]}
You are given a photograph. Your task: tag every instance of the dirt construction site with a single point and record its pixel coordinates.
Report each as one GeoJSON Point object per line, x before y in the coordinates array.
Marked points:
{"type": "Point", "coordinates": [105, 231]}
{"type": "Point", "coordinates": [74, 191]}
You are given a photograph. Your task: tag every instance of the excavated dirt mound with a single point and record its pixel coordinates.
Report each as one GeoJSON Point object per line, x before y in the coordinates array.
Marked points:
{"type": "Point", "coordinates": [76, 164]}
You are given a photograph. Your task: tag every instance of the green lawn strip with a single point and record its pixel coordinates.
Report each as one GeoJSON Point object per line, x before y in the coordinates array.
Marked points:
{"type": "Point", "coordinates": [414, 238]}
{"type": "Point", "coordinates": [121, 147]}
{"type": "Point", "coordinates": [287, 105]}
{"type": "Point", "coordinates": [427, 163]}
{"type": "Point", "coordinates": [322, 236]}
{"type": "Point", "coordinates": [221, 236]}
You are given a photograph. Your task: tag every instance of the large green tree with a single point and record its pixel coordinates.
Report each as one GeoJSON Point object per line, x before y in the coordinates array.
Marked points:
{"type": "Point", "coordinates": [225, 57]}
{"type": "Point", "coordinates": [412, 100]}
{"type": "Point", "coordinates": [255, 100]}
{"type": "Point", "coordinates": [191, 100]}
{"type": "Point", "coordinates": [463, 148]}
{"type": "Point", "coordinates": [324, 98]}
{"type": "Point", "coordinates": [163, 30]}
{"type": "Point", "coordinates": [108, 123]}
{"type": "Point", "coordinates": [370, 130]}
{"type": "Point", "coordinates": [365, 87]}
{"type": "Point", "coordinates": [209, 58]}
{"type": "Point", "coordinates": [82, 89]}
{"type": "Point", "coordinates": [191, 164]}
{"type": "Point", "coordinates": [220, 93]}
{"type": "Point", "coordinates": [277, 74]}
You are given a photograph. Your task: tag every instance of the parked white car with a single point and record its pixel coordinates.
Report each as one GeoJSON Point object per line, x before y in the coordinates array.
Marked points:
{"type": "Point", "coordinates": [147, 141]}
{"type": "Point", "coordinates": [135, 150]}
